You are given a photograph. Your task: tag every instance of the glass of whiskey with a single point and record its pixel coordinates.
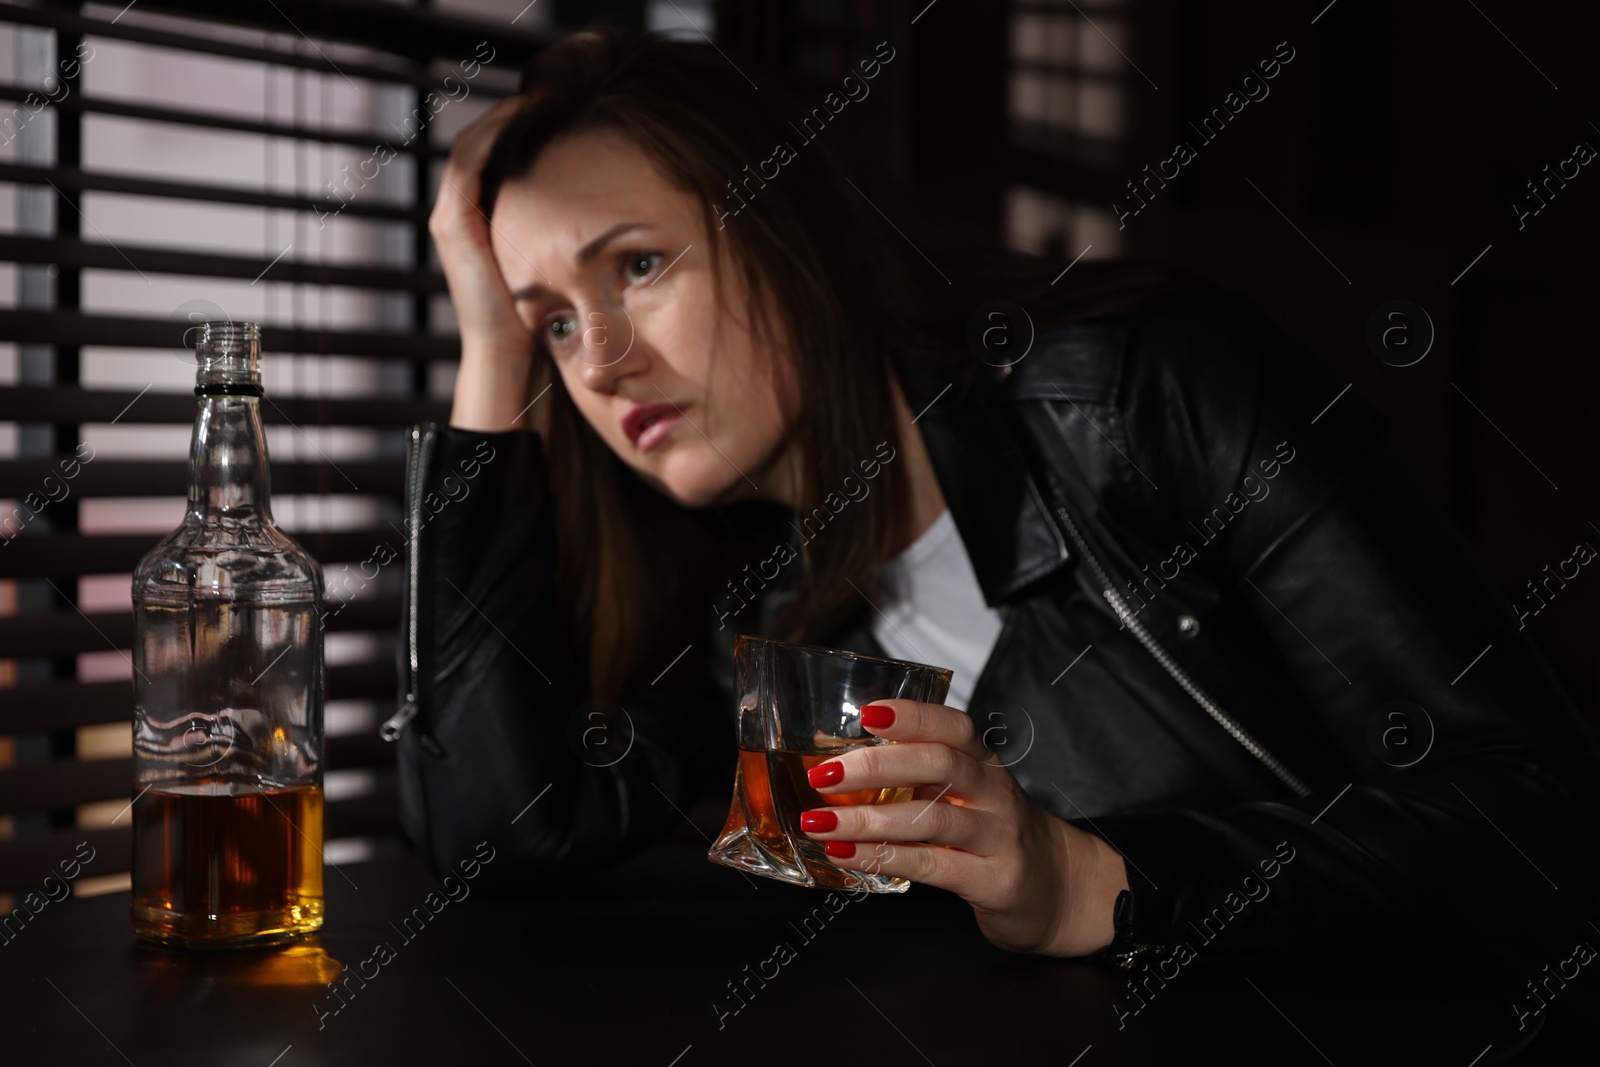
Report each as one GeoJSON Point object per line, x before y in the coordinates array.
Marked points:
{"type": "Point", "coordinates": [800, 705]}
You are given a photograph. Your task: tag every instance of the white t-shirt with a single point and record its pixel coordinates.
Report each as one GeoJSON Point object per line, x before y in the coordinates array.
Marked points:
{"type": "Point", "coordinates": [935, 611]}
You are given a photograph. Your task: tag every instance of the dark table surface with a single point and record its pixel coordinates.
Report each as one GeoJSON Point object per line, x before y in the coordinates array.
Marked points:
{"type": "Point", "coordinates": [632, 966]}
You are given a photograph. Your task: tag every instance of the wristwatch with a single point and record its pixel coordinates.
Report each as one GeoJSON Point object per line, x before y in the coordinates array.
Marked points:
{"type": "Point", "coordinates": [1124, 951]}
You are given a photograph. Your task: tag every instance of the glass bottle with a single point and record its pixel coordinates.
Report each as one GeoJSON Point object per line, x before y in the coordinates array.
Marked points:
{"type": "Point", "coordinates": [227, 728]}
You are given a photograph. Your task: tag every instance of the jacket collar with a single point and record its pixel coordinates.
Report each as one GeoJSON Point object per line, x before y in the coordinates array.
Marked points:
{"type": "Point", "coordinates": [1004, 521]}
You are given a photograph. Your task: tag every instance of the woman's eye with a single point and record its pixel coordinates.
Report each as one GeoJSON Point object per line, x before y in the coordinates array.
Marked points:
{"type": "Point", "coordinates": [639, 265]}
{"type": "Point", "coordinates": [559, 328]}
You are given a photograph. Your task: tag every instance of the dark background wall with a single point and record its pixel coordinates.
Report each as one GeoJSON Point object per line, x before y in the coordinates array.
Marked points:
{"type": "Point", "coordinates": [1383, 165]}
{"type": "Point", "coordinates": [1398, 141]}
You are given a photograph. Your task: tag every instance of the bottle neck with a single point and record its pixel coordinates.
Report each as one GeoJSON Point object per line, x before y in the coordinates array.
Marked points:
{"type": "Point", "coordinates": [228, 475]}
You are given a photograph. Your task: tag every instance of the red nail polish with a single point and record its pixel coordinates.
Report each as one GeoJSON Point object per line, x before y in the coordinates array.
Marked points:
{"type": "Point", "coordinates": [841, 849]}
{"type": "Point", "coordinates": [877, 716]}
{"type": "Point", "coordinates": [822, 774]}
{"type": "Point", "coordinates": [818, 822]}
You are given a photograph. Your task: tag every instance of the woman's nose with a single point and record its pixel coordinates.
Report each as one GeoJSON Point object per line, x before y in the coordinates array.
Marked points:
{"type": "Point", "coordinates": [606, 340]}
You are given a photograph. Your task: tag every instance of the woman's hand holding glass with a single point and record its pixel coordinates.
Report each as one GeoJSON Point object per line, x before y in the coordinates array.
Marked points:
{"type": "Point", "coordinates": [1035, 882]}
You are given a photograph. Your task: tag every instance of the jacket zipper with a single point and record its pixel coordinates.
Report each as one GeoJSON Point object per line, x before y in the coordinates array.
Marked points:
{"type": "Point", "coordinates": [396, 724]}
{"type": "Point", "coordinates": [1222, 718]}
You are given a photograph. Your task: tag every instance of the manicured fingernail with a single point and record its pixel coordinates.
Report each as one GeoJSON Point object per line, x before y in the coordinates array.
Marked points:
{"type": "Point", "coordinates": [818, 822]}
{"type": "Point", "coordinates": [877, 716]}
{"type": "Point", "coordinates": [841, 849]}
{"type": "Point", "coordinates": [823, 774]}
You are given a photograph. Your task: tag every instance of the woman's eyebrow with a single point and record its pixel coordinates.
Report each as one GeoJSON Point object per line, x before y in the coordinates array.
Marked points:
{"type": "Point", "coordinates": [585, 255]}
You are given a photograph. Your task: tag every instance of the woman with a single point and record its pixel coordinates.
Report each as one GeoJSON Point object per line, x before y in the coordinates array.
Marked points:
{"type": "Point", "coordinates": [713, 380]}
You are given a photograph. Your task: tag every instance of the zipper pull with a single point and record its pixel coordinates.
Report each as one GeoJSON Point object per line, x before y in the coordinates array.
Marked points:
{"type": "Point", "coordinates": [396, 723]}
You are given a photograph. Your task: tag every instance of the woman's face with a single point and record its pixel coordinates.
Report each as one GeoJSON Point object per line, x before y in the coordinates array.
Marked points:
{"type": "Point", "coordinates": [610, 269]}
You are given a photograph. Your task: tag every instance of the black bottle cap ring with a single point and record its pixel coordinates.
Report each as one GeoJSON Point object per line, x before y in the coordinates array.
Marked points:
{"type": "Point", "coordinates": [229, 389]}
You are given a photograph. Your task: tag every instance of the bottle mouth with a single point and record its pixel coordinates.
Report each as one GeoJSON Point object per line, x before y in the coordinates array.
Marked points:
{"type": "Point", "coordinates": [228, 358]}
{"type": "Point", "coordinates": [226, 335]}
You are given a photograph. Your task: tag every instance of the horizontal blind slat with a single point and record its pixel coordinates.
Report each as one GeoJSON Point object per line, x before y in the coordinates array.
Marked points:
{"type": "Point", "coordinates": [93, 105]}
{"type": "Point", "coordinates": [69, 404]}
{"type": "Point", "coordinates": [43, 706]}
{"type": "Point", "coordinates": [411, 30]}
{"type": "Point", "coordinates": [26, 860]}
{"type": "Point", "coordinates": [183, 117]}
{"type": "Point", "coordinates": [1063, 175]}
{"type": "Point", "coordinates": [63, 783]}
{"type": "Point", "coordinates": [71, 554]}
{"type": "Point", "coordinates": [375, 814]}
{"type": "Point", "coordinates": [65, 252]}
{"type": "Point", "coordinates": [70, 783]}
{"type": "Point", "coordinates": [66, 633]}
{"type": "Point", "coordinates": [73, 328]}
{"type": "Point", "coordinates": [516, 50]}
{"type": "Point", "coordinates": [79, 180]}
{"type": "Point", "coordinates": [120, 478]}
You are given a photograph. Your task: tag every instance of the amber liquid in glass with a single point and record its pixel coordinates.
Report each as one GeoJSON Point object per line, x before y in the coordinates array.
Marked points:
{"type": "Point", "coordinates": [776, 791]}
{"type": "Point", "coordinates": [218, 864]}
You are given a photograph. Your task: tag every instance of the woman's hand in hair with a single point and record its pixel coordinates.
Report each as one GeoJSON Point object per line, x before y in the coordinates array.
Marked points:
{"type": "Point", "coordinates": [496, 348]}
{"type": "Point", "coordinates": [1035, 882]}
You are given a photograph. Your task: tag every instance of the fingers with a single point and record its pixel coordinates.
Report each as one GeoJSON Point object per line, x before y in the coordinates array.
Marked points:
{"type": "Point", "coordinates": [898, 766]}
{"type": "Point", "coordinates": [910, 821]}
{"type": "Point", "coordinates": [912, 720]}
{"type": "Point", "coordinates": [937, 746]}
{"type": "Point", "coordinates": [496, 345]}
{"type": "Point", "coordinates": [456, 212]}
{"type": "Point", "coordinates": [946, 868]}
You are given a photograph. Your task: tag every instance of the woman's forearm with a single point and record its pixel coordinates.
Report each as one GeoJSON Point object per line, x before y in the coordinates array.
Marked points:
{"type": "Point", "coordinates": [491, 392]}
{"type": "Point", "coordinates": [498, 684]}
{"type": "Point", "coordinates": [1096, 874]}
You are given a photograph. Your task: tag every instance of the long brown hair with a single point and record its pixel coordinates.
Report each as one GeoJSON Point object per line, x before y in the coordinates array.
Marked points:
{"type": "Point", "coordinates": [832, 282]}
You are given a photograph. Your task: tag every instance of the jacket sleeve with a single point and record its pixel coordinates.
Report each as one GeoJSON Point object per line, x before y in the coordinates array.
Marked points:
{"type": "Point", "coordinates": [1371, 595]}
{"type": "Point", "coordinates": [503, 746]}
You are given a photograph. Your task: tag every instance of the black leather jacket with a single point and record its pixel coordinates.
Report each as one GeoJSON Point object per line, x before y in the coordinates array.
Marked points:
{"type": "Point", "coordinates": [1216, 577]}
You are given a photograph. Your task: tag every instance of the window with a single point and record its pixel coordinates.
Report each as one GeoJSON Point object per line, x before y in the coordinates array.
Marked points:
{"type": "Point", "coordinates": [158, 164]}
{"type": "Point", "coordinates": [1068, 109]}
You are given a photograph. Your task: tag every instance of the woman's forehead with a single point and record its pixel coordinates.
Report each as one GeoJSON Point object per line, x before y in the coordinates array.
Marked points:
{"type": "Point", "coordinates": [582, 189]}
{"type": "Point", "coordinates": [598, 170]}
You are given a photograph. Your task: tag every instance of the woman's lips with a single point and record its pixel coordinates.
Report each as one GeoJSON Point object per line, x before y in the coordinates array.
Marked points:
{"type": "Point", "coordinates": [658, 429]}
{"type": "Point", "coordinates": [647, 424]}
